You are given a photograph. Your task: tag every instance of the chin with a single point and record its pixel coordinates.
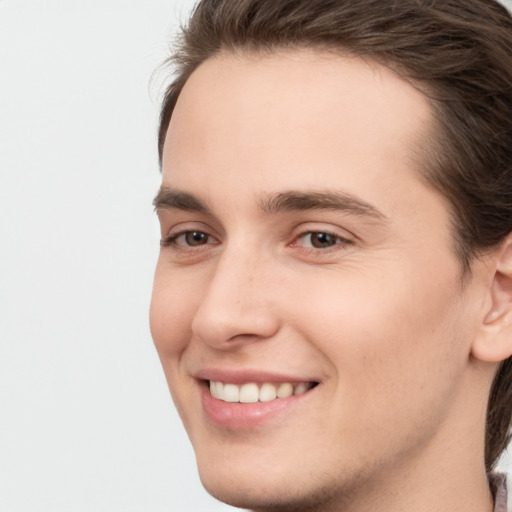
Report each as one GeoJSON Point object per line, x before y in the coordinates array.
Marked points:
{"type": "Point", "coordinates": [269, 495]}
{"type": "Point", "coordinates": [268, 481]}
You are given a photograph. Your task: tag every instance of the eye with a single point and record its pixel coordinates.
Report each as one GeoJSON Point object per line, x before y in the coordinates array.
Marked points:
{"type": "Point", "coordinates": [191, 238]}
{"type": "Point", "coordinates": [320, 240]}
{"type": "Point", "coordinates": [195, 238]}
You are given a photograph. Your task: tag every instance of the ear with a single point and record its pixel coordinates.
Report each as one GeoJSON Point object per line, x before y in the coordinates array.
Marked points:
{"type": "Point", "coordinates": [494, 340]}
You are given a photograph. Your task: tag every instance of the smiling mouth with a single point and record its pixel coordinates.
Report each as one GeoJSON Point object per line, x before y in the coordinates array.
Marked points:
{"type": "Point", "coordinates": [251, 392]}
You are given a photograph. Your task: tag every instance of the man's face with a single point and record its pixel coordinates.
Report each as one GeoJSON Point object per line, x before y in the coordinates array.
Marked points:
{"type": "Point", "coordinates": [304, 254]}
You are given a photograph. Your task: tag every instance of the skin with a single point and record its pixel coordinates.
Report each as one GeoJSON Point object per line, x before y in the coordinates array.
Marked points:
{"type": "Point", "coordinates": [380, 316]}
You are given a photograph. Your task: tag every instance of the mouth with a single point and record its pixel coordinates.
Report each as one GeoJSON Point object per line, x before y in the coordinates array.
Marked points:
{"type": "Point", "coordinates": [252, 392]}
{"type": "Point", "coordinates": [251, 398]}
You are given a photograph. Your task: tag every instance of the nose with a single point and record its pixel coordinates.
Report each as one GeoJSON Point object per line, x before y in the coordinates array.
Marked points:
{"type": "Point", "coordinates": [238, 304]}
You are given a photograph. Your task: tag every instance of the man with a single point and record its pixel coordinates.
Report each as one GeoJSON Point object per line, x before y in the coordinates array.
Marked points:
{"type": "Point", "coordinates": [332, 304]}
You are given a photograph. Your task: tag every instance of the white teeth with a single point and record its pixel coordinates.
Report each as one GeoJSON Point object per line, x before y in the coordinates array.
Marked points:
{"type": "Point", "coordinates": [216, 389]}
{"type": "Point", "coordinates": [231, 393]}
{"type": "Point", "coordinates": [268, 392]}
{"type": "Point", "coordinates": [284, 390]}
{"type": "Point", "coordinates": [250, 393]}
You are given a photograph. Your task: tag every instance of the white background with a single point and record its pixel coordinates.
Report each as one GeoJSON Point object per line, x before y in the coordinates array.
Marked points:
{"type": "Point", "coordinates": [86, 422]}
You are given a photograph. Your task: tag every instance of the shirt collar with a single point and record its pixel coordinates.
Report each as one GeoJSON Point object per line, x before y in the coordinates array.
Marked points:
{"type": "Point", "coordinates": [499, 482]}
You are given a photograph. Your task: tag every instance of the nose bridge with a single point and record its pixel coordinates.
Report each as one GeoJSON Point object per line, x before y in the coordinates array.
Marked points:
{"type": "Point", "coordinates": [236, 305]}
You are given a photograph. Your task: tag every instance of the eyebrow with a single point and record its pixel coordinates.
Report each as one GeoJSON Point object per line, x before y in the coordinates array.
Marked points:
{"type": "Point", "coordinates": [170, 198]}
{"type": "Point", "coordinates": [320, 200]}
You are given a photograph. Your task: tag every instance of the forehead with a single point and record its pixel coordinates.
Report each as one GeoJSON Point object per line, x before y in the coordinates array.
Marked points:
{"type": "Point", "coordinates": [293, 113]}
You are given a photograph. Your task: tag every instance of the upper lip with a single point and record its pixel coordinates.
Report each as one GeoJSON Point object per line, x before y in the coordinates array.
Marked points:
{"type": "Point", "coordinates": [249, 375]}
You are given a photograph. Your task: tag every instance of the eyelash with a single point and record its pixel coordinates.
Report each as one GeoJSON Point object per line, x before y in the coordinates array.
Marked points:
{"type": "Point", "coordinates": [337, 239]}
{"type": "Point", "coordinates": [173, 240]}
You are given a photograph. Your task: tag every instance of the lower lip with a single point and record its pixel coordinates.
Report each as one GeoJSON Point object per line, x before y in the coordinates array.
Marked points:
{"type": "Point", "coordinates": [241, 415]}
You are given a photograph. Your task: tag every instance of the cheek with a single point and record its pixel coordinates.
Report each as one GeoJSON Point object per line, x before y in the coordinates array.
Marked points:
{"type": "Point", "coordinates": [173, 306]}
{"type": "Point", "coordinates": [388, 331]}
{"type": "Point", "coordinates": [397, 350]}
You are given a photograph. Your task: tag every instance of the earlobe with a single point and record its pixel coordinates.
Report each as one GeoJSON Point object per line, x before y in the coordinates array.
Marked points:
{"type": "Point", "coordinates": [494, 341]}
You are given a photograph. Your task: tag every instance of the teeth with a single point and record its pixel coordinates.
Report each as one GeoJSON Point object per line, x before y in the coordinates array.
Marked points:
{"type": "Point", "coordinates": [231, 393]}
{"type": "Point", "coordinates": [250, 393]}
{"type": "Point", "coordinates": [284, 390]}
{"type": "Point", "coordinates": [268, 392]}
{"type": "Point", "coordinates": [300, 388]}
{"type": "Point", "coordinates": [216, 389]}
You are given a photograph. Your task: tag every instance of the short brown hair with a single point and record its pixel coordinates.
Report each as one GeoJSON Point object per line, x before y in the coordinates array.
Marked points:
{"type": "Point", "coordinates": [458, 52]}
